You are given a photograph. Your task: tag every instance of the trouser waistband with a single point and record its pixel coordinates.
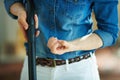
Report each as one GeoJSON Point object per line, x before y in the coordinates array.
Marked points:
{"type": "Point", "coordinates": [52, 63]}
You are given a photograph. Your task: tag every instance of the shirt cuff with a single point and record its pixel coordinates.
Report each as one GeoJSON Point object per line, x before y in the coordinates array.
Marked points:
{"type": "Point", "coordinates": [106, 38]}
{"type": "Point", "coordinates": [8, 4]}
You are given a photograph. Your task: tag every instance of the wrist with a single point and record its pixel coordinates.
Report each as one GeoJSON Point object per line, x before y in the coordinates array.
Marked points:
{"type": "Point", "coordinates": [74, 46]}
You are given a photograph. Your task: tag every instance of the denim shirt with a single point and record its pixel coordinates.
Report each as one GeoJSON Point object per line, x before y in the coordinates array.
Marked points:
{"type": "Point", "coordinates": [71, 19]}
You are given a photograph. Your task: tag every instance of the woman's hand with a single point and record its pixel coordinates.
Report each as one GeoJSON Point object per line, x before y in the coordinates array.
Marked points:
{"type": "Point", "coordinates": [59, 46]}
{"type": "Point", "coordinates": [24, 25]}
{"type": "Point", "coordinates": [18, 10]}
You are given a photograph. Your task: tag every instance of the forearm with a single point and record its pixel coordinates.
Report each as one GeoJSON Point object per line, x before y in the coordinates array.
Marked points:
{"type": "Point", "coordinates": [89, 42]}
{"type": "Point", "coordinates": [17, 9]}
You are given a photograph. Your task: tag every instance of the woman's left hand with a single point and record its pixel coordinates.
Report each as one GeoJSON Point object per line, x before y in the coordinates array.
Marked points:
{"type": "Point", "coordinates": [59, 46]}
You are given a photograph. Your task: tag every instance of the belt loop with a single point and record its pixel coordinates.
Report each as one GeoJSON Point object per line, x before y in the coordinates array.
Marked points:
{"type": "Point", "coordinates": [66, 65]}
{"type": "Point", "coordinates": [91, 54]}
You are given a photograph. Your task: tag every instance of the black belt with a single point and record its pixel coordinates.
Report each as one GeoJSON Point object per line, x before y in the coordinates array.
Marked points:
{"type": "Point", "coordinates": [53, 63]}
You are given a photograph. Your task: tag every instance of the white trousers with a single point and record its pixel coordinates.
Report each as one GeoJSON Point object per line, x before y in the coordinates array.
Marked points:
{"type": "Point", "coordinates": [83, 70]}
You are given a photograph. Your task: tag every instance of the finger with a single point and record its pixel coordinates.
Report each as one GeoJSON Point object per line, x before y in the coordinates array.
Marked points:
{"type": "Point", "coordinates": [36, 25]}
{"type": "Point", "coordinates": [36, 21]}
{"type": "Point", "coordinates": [61, 47]}
{"type": "Point", "coordinates": [51, 41]}
{"type": "Point", "coordinates": [37, 33]}
{"type": "Point", "coordinates": [65, 45]}
{"type": "Point", "coordinates": [22, 21]}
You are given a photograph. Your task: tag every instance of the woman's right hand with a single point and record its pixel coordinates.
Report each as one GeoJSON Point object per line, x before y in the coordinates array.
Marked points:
{"type": "Point", "coordinates": [22, 17]}
{"type": "Point", "coordinates": [18, 10]}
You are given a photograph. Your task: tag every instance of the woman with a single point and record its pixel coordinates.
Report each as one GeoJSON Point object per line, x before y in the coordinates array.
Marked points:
{"type": "Point", "coordinates": [65, 40]}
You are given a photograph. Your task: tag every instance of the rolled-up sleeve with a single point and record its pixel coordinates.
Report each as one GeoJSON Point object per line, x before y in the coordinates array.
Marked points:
{"type": "Point", "coordinates": [8, 4]}
{"type": "Point", "coordinates": [106, 13]}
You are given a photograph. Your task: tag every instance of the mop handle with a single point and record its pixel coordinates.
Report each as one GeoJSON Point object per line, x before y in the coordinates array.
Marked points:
{"type": "Point", "coordinates": [31, 41]}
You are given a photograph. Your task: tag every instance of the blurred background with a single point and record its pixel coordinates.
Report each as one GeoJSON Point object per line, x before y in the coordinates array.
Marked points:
{"type": "Point", "coordinates": [12, 51]}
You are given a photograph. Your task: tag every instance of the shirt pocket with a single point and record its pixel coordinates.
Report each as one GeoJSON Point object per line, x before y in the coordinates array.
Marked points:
{"type": "Point", "coordinates": [74, 8]}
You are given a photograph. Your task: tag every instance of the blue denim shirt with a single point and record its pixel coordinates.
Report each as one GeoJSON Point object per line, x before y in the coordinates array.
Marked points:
{"type": "Point", "coordinates": [71, 19]}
